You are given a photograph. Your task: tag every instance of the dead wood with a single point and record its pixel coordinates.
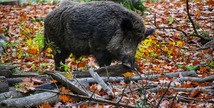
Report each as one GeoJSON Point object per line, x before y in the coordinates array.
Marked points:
{"type": "Point", "coordinates": [74, 87]}
{"type": "Point", "coordinates": [162, 96]}
{"type": "Point", "coordinates": [4, 87]}
{"type": "Point", "coordinates": [99, 80]}
{"type": "Point", "coordinates": [8, 67]}
{"type": "Point", "coordinates": [189, 99]}
{"type": "Point", "coordinates": [195, 79]}
{"type": "Point", "coordinates": [24, 74]}
{"type": "Point", "coordinates": [88, 81]}
{"type": "Point", "coordinates": [113, 70]}
{"type": "Point", "coordinates": [202, 89]}
{"type": "Point", "coordinates": [11, 94]}
{"type": "Point", "coordinates": [99, 100]}
{"type": "Point", "coordinates": [49, 86]}
{"type": "Point", "coordinates": [30, 101]}
{"type": "Point", "coordinates": [193, 24]}
{"type": "Point", "coordinates": [6, 73]}
{"type": "Point", "coordinates": [6, 70]}
{"type": "Point", "coordinates": [11, 2]}
{"type": "Point", "coordinates": [13, 81]}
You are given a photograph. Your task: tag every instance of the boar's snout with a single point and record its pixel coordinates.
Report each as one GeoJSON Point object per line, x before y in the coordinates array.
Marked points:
{"type": "Point", "coordinates": [149, 31]}
{"type": "Point", "coordinates": [128, 61]}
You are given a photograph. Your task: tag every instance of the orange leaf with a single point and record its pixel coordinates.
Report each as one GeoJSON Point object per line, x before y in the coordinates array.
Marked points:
{"type": "Point", "coordinates": [95, 88]}
{"type": "Point", "coordinates": [129, 74]}
{"type": "Point", "coordinates": [156, 68]}
{"type": "Point", "coordinates": [65, 98]}
{"type": "Point", "coordinates": [188, 84]}
{"type": "Point", "coordinates": [178, 4]}
{"type": "Point", "coordinates": [198, 0]}
{"type": "Point", "coordinates": [183, 1]}
{"type": "Point", "coordinates": [203, 69]}
{"type": "Point", "coordinates": [195, 62]}
{"type": "Point", "coordinates": [161, 77]}
{"type": "Point", "coordinates": [63, 89]}
{"type": "Point", "coordinates": [54, 81]}
{"type": "Point", "coordinates": [45, 105]}
{"type": "Point", "coordinates": [82, 64]}
{"type": "Point", "coordinates": [102, 92]}
{"type": "Point", "coordinates": [198, 12]}
{"type": "Point", "coordinates": [33, 49]}
{"type": "Point", "coordinates": [171, 43]}
{"type": "Point", "coordinates": [194, 93]}
{"type": "Point", "coordinates": [84, 106]}
{"type": "Point", "coordinates": [210, 2]}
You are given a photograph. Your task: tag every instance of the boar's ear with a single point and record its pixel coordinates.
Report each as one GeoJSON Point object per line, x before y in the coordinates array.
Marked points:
{"type": "Point", "coordinates": [126, 24]}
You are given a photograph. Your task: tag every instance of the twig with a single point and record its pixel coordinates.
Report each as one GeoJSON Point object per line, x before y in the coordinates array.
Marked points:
{"type": "Point", "coordinates": [100, 81]}
{"type": "Point", "coordinates": [188, 99]}
{"type": "Point", "coordinates": [121, 96]}
{"type": "Point", "coordinates": [87, 98]}
{"type": "Point", "coordinates": [193, 25]}
{"type": "Point", "coordinates": [201, 89]}
{"type": "Point", "coordinates": [73, 87]}
{"type": "Point", "coordinates": [195, 79]}
{"type": "Point", "coordinates": [163, 95]}
{"type": "Point", "coordinates": [87, 81]}
{"type": "Point", "coordinates": [209, 44]}
{"type": "Point", "coordinates": [173, 28]}
{"type": "Point", "coordinates": [171, 106]}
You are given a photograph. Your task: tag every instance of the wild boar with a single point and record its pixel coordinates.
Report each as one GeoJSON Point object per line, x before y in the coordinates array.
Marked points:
{"type": "Point", "coordinates": [104, 29]}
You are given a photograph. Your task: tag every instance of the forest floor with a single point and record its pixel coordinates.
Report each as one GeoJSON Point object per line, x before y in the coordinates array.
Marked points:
{"type": "Point", "coordinates": [172, 48]}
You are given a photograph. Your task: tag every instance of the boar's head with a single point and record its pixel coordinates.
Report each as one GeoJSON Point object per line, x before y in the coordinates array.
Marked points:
{"type": "Point", "coordinates": [125, 42]}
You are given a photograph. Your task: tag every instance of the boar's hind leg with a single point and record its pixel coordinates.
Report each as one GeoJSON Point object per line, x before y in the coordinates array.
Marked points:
{"type": "Point", "coordinates": [60, 57]}
{"type": "Point", "coordinates": [103, 58]}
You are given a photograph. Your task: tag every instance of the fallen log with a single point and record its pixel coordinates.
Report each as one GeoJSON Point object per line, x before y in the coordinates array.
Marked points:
{"type": "Point", "coordinates": [195, 79]}
{"type": "Point", "coordinates": [6, 70]}
{"type": "Point", "coordinates": [13, 81]}
{"type": "Point", "coordinates": [48, 86]}
{"type": "Point", "coordinates": [8, 67]}
{"type": "Point", "coordinates": [25, 74]}
{"type": "Point", "coordinates": [74, 87]}
{"type": "Point", "coordinates": [201, 89]}
{"type": "Point", "coordinates": [4, 87]}
{"type": "Point", "coordinates": [6, 73]}
{"type": "Point", "coordinates": [88, 81]}
{"type": "Point", "coordinates": [30, 101]}
{"type": "Point", "coordinates": [13, 94]}
{"type": "Point", "coordinates": [113, 70]}
{"type": "Point", "coordinates": [96, 100]}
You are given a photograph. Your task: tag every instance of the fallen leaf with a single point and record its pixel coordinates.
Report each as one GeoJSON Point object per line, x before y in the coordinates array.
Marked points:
{"type": "Point", "coordinates": [129, 74]}
{"type": "Point", "coordinates": [194, 93]}
{"type": "Point", "coordinates": [203, 69]}
{"type": "Point", "coordinates": [45, 105]}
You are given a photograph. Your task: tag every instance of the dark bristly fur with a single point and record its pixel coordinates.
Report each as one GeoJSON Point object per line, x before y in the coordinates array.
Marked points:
{"type": "Point", "coordinates": [104, 29]}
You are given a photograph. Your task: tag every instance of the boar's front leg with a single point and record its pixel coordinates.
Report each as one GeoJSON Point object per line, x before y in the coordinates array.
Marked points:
{"type": "Point", "coordinates": [60, 57]}
{"type": "Point", "coordinates": [103, 58]}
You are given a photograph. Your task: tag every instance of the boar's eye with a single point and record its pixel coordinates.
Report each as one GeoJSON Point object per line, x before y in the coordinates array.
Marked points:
{"type": "Point", "coordinates": [139, 31]}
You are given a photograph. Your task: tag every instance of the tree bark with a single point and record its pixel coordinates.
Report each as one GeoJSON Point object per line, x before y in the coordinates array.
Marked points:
{"type": "Point", "coordinates": [30, 101]}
